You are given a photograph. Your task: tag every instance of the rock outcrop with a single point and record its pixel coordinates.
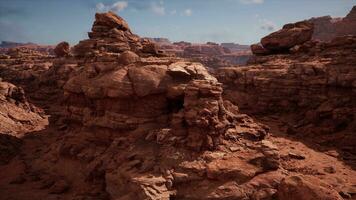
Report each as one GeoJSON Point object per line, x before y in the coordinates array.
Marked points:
{"type": "Point", "coordinates": [17, 115]}
{"type": "Point", "coordinates": [283, 40]}
{"type": "Point", "coordinates": [308, 85]}
{"type": "Point", "coordinates": [212, 55]}
{"type": "Point", "coordinates": [289, 36]}
{"type": "Point", "coordinates": [112, 35]}
{"type": "Point", "coordinates": [5, 46]}
{"type": "Point", "coordinates": [148, 90]}
{"type": "Point", "coordinates": [327, 28]}
{"type": "Point", "coordinates": [62, 49]}
{"type": "Point", "coordinates": [306, 188]}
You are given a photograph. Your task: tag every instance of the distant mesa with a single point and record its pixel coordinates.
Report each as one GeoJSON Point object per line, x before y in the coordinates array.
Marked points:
{"type": "Point", "coordinates": [9, 44]}
{"type": "Point", "coordinates": [211, 54]}
{"type": "Point", "coordinates": [6, 46]}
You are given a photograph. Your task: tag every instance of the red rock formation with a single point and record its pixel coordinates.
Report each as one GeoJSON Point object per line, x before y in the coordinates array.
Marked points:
{"type": "Point", "coordinates": [136, 124]}
{"type": "Point", "coordinates": [308, 86]}
{"type": "Point", "coordinates": [292, 35]}
{"type": "Point", "coordinates": [210, 54]}
{"type": "Point", "coordinates": [43, 49]}
{"type": "Point", "coordinates": [289, 36]}
{"type": "Point", "coordinates": [111, 34]}
{"type": "Point", "coordinates": [17, 116]}
{"type": "Point", "coordinates": [327, 28]}
{"type": "Point", "coordinates": [258, 49]}
{"type": "Point", "coordinates": [306, 188]}
{"type": "Point", "coordinates": [62, 49]}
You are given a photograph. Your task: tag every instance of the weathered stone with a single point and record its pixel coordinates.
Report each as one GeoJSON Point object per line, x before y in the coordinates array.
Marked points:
{"type": "Point", "coordinates": [288, 37]}
{"type": "Point", "coordinates": [304, 187]}
{"type": "Point", "coordinates": [62, 49]}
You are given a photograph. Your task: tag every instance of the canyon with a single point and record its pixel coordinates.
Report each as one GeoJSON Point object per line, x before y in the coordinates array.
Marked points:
{"type": "Point", "coordinates": [122, 117]}
{"type": "Point", "coordinates": [211, 54]}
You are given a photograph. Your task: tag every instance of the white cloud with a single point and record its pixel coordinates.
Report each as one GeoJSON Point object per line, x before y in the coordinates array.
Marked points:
{"type": "Point", "coordinates": [173, 12]}
{"type": "Point", "coordinates": [116, 7]}
{"type": "Point", "coordinates": [100, 7]}
{"type": "Point", "coordinates": [158, 8]}
{"type": "Point", "coordinates": [188, 12]}
{"type": "Point", "coordinates": [252, 1]}
{"type": "Point", "coordinates": [119, 6]}
{"type": "Point", "coordinates": [268, 25]}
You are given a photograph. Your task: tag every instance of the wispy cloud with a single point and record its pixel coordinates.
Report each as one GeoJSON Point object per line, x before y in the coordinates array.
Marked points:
{"type": "Point", "coordinates": [188, 12]}
{"type": "Point", "coordinates": [116, 7]}
{"type": "Point", "coordinates": [268, 25]}
{"type": "Point", "coordinates": [158, 8]}
{"type": "Point", "coordinates": [252, 1]}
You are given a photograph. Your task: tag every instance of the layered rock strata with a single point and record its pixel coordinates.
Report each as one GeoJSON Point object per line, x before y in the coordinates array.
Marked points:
{"type": "Point", "coordinates": [315, 84]}
{"type": "Point", "coordinates": [17, 115]}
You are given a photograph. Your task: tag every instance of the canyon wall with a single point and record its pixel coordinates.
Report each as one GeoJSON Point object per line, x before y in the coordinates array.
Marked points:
{"type": "Point", "coordinates": [309, 85]}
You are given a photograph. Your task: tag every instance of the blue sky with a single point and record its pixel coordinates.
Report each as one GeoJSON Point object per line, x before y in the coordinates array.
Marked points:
{"type": "Point", "coordinates": [240, 21]}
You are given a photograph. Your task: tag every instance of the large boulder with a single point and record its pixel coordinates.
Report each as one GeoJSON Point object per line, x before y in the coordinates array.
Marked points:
{"type": "Point", "coordinates": [111, 20]}
{"type": "Point", "coordinates": [62, 49]}
{"type": "Point", "coordinates": [306, 188]}
{"type": "Point", "coordinates": [289, 36]}
{"type": "Point", "coordinates": [258, 49]}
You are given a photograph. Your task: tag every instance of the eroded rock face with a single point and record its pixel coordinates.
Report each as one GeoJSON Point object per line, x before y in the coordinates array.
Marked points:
{"type": "Point", "coordinates": [308, 85]}
{"type": "Point", "coordinates": [111, 34]}
{"type": "Point", "coordinates": [173, 106]}
{"type": "Point", "coordinates": [304, 187]}
{"type": "Point", "coordinates": [289, 36]}
{"type": "Point", "coordinates": [258, 49]}
{"type": "Point", "coordinates": [24, 64]}
{"type": "Point", "coordinates": [211, 55]}
{"type": "Point", "coordinates": [149, 94]}
{"type": "Point", "coordinates": [17, 116]}
{"type": "Point", "coordinates": [62, 49]}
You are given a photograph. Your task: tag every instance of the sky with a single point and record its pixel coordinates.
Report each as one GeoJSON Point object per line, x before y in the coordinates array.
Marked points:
{"type": "Point", "coordinates": [199, 21]}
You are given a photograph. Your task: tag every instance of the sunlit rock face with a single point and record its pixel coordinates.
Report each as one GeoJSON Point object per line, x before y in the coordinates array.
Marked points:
{"type": "Point", "coordinates": [308, 82]}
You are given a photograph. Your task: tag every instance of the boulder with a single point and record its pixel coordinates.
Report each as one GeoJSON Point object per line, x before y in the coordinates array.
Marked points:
{"type": "Point", "coordinates": [128, 57]}
{"type": "Point", "coordinates": [62, 49]}
{"type": "Point", "coordinates": [110, 20]}
{"type": "Point", "coordinates": [148, 79]}
{"type": "Point", "coordinates": [289, 36]}
{"type": "Point", "coordinates": [258, 49]}
{"type": "Point", "coordinates": [306, 188]}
